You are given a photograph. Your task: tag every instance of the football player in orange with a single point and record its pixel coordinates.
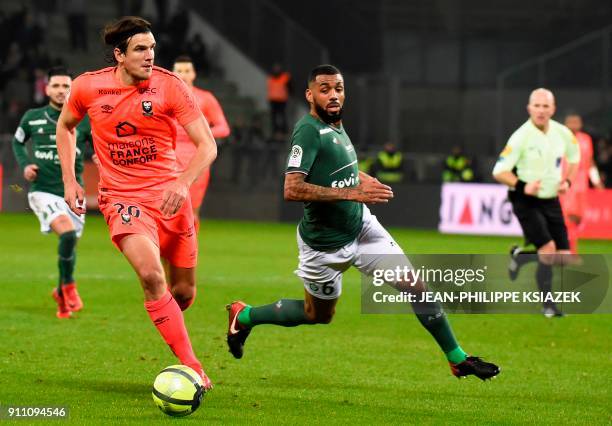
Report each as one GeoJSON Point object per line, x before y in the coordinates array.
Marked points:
{"type": "Point", "coordinates": [185, 149]}
{"type": "Point", "coordinates": [573, 201]}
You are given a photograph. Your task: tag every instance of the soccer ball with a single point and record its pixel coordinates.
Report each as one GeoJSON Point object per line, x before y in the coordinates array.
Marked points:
{"type": "Point", "coordinates": [178, 390]}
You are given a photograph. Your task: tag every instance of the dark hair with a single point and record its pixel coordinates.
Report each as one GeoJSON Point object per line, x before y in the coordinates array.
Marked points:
{"type": "Point", "coordinates": [183, 58]}
{"type": "Point", "coordinates": [322, 70]}
{"type": "Point", "coordinates": [571, 113]}
{"type": "Point", "coordinates": [58, 71]}
{"type": "Point", "coordinates": [117, 34]}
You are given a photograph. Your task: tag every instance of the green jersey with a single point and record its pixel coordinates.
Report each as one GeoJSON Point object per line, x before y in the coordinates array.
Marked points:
{"type": "Point", "coordinates": [38, 125]}
{"type": "Point", "coordinates": [537, 155]}
{"type": "Point", "coordinates": [326, 155]}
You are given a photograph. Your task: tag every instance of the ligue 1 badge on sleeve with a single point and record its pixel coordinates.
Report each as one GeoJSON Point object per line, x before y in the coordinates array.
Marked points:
{"type": "Point", "coordinates": [147, 108]}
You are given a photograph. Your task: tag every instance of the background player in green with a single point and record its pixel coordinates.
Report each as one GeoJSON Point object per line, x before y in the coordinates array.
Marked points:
{"type": "Point", "coordinates": [337, 230]}
{"type": "Point", "coordinates": [46, 194]}
{"type": "Point", "coordinates": [530, 165]}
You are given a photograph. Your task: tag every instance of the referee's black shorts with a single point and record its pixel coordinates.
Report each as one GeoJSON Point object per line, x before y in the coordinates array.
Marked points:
{"type": "Point", "coordinates": [541, 219]}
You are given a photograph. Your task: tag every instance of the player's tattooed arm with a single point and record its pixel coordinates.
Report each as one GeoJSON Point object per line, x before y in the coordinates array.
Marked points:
{"type": "Point", "coordinates": [368, 191]}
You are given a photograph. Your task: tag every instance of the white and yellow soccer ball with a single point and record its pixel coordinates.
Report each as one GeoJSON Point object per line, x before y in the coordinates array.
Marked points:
{"type": "Point", "coordinates": [178, 390]}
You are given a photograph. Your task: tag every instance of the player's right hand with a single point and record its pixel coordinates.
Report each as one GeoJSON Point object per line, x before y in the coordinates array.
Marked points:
{"type": "Point", "coordinates": [74, 195]}
{"type": "Point", "coordinates": [372, 191]}
{"type": "Point", "coordinates": [96, 160]}
{"type": "Point", "coordinates": [532, 188]}
{"type": "Point", "coordinates": [30, 172]}
{"type": "Point", "coordinates": [173, 197]}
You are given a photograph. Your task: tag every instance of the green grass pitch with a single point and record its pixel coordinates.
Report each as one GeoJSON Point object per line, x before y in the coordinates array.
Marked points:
{"type": "Point", "coordinates": [361, 369]}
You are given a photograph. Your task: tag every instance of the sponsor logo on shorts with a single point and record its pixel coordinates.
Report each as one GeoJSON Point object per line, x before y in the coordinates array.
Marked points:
{"type": "Point", "coordinates": [147, 108]}
{"type": "Point", "coordinates": [107, 108]}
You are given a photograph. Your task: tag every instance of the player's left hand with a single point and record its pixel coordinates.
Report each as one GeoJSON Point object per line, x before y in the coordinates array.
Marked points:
{"type": "Point", "coordinates": [74, 195]}
{"type": "Point", "coordinates": [564, 187]}
{"type": "Point", "coordinates": [174, 197]}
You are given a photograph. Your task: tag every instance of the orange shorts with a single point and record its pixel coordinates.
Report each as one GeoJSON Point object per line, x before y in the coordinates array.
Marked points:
{"type": "Point", "coordinates": [175, 236]}
{"type": "Point", "coordinates": [197, 191]}
{"type": "Point", "coordinates": [573, 203]}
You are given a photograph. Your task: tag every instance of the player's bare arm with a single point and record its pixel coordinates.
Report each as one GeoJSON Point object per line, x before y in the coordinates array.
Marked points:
{"type": "Point", "coordinates": [594, 175]}
{"type": "Point", "coordinates": [510, 179]}
{"type": "Point", "coordinates": [66, 150]}
{"type": "Point", "coordinates": [218, 123]}
{"type": "Point", "coordinates": [368, 191]}
{"type": "Point", "coordinates": [175, 194]}
{"type": "Point", "coordinates": [572, 169]}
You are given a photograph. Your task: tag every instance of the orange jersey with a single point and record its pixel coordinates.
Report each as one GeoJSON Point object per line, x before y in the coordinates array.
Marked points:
{"type": "Point", "coordinates": [133, 128]}
{"type": "Point", "coordinates": [574, 200]}
{"type": "Point", "coordinates": [581, 181]}
{"type": "Point", "coordinates": [210, 107]}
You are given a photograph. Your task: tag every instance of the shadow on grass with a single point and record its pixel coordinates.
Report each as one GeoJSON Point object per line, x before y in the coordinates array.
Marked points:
{"type": "Point", "coordinates": [101, 385]}
{"type": "Point", "coordinates": [39, 311]}
{"type": "Point", "coordinates": [135, 398]}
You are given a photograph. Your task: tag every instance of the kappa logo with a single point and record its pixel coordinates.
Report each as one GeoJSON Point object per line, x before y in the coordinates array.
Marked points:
{"type": "Point", "coordinates": [107, 108]}
{"type": "Point", "coordinates": [147, 108]}
{"type": "Point", "coordinates": [124, 129]}
{"type": "Point", "coordinates": [40, 130]}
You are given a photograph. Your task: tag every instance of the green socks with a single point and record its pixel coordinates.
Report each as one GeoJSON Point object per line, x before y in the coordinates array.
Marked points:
{"type": "Point", "coordinates": [285, 312]}
{"type": "Point", "coordinates": [433, 318]}
{"type": "Point", "coordinates": [456, 356]}
{"type": "Point", "coordinates": [66, 256]}
{"type": "Point", "coordinates": [290, 313]}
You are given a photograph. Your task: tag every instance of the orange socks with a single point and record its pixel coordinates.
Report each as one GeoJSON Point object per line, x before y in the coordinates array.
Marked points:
{"type": "Point", "coordinates": [168, 318]}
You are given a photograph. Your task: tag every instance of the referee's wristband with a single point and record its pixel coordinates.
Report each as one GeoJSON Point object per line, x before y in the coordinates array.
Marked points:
{"type": "Point", "coordinates": [520, 186]}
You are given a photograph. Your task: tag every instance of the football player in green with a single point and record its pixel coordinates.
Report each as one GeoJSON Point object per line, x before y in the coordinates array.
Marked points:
{"type": "Point", "coordinates": [46, 193]}
{"type": "Point", "coordinates": [338, 231]}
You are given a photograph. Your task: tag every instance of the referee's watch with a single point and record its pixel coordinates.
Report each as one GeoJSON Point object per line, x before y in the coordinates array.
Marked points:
{"type": "Point", "coordinates": [520, 186]}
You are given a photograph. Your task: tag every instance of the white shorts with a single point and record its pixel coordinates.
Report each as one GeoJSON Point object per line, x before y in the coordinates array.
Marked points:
{"type": "Point", "coordinates": [321, 271]}
{"type": "Point", "coordinates": [48, 207]}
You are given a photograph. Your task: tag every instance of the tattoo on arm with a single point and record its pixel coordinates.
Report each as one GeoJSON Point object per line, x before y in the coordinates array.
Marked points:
{"type": "Point", "coordinates": [296, 189]}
